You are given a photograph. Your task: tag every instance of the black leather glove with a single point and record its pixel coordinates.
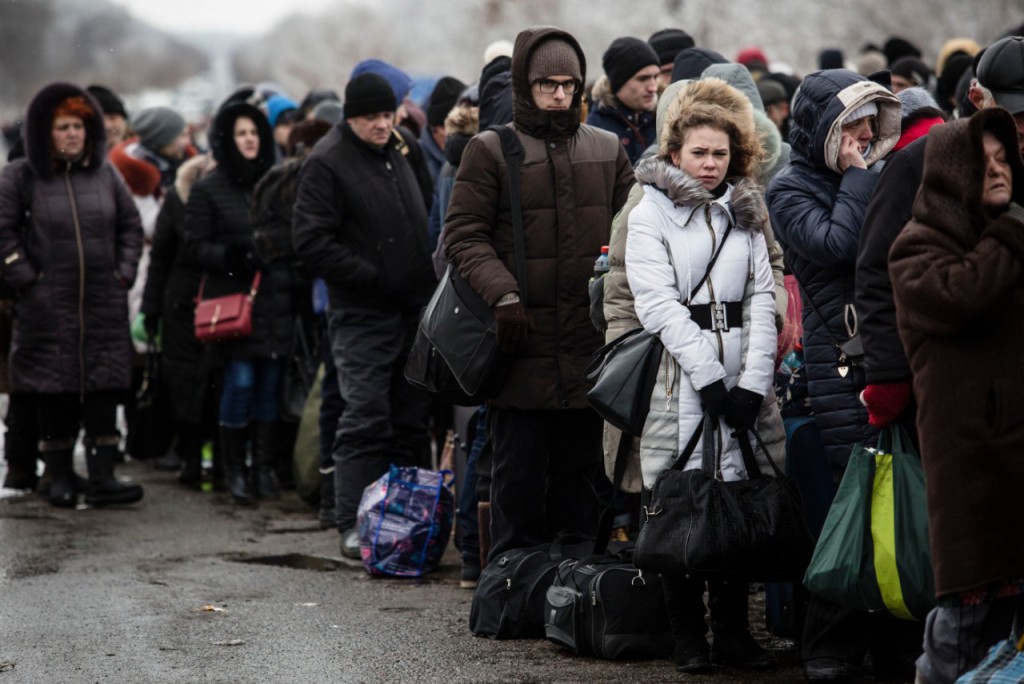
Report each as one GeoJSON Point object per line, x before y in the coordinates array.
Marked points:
{"type": "Point", "coordinates": [152, 326]}
{"type": "Point", "coordinates": [743, 409]}
{"type": "Point", "coordinates": [511, 326]}
{"type": "Point", "coordinates": [237, 260]}
{"type": "Point", "coordinates": [714, 399]}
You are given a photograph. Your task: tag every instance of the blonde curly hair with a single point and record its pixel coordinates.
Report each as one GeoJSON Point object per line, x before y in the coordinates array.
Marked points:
{"type": "Point", "coordinates": [714, 103]}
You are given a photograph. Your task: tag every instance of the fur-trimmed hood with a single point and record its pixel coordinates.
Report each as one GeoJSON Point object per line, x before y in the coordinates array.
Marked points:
{"type": "Point", "coordinates": [39, 125]}
{"type": "Point", "coordinates": [746, 207]}
{"type": "Point", "coordinates": [190, 172]}
{"type": "Point", "coordinates": [601, 94]}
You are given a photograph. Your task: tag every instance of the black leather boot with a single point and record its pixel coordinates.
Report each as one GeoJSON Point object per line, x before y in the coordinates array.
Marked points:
{"type": "Point", "coordinates": [190, 448]}
{"type": "Point", "coordinates": [234, 442]}
{"type": "Point", "coordinates": [733, 645]}
{"type": "Point", "coordinates": [685, 601]}
{"type": "Point", "coordinates": [104, 489]}
{"type": "Point", "coordinates": [63, 489]}
{"type": "Point", "coordinates": [20, 447]}
{"type": "Point", "coordinates": [264, 456]}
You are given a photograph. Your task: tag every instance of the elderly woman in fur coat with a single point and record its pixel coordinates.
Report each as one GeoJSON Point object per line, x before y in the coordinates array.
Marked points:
{"type": "Point", "coordinates": [700, 198]}
{"type": "Point", "coordinates": [958, 280]}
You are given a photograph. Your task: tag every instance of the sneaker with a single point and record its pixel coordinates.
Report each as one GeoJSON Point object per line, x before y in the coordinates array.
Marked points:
{"type": "Point", "coordinates": [350, 544]}
{"type": "Point", "coordinates": [828, 670]}
{"type": "Point", "coordinates": [469, 577]}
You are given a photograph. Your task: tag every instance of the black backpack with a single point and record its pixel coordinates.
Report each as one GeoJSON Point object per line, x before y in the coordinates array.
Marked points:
{"type": "Point", "coordinates": [270, 212]}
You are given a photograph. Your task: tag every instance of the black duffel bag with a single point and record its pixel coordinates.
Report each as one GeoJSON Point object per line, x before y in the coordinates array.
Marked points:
{"type": "Point", "coordinates": [700, 526]}
{"type": "Point", "coordinates": [606, 607]}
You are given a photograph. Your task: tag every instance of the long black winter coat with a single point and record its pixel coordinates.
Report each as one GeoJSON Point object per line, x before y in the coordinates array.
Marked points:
{"type": "Point", "coordinates": [360, 223]}
{"type": "Point", "coordinates": [74, 262]}
{"type": "Point", "coordinates": [817, 213]}
{"type": "Point", "coordinates": [171, 287]}
{"type": "Point", "coordinates": [217, 217]}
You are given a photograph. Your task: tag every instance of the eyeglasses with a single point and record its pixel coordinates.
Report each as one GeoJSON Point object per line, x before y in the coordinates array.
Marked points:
{"type": "Point", "coordinates": [548, 87]}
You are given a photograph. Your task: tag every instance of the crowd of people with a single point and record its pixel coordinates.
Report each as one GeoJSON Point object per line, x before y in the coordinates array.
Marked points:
{"type": "Point", "coordinates": [749, 216]}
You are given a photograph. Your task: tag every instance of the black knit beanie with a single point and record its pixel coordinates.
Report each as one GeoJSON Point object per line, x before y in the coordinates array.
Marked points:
{"type": "Point", "coordinates": [668, 42]}
{"type": "Point", "coordinates": [691, 63]}
{"type": "Point", "coordinates": [368, 93]}
{"type": "Point", "coordinates": [109, 102]}
{"type": "Point", "coordinates": [554, 57]}
{"type": "Point", "coordinates": [624, 57]}
{"type": "Point", "coordinates": [443, 97]}
{"type": "Point", "coordinates": [897, 47]}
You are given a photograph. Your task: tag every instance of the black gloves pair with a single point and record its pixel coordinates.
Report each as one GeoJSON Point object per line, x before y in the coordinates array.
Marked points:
{"type": "Point", "coordinates": [511, 326]}
{"type": "Point", "coordinates": [240, 259]}
{"type": "Point", "coordinates": [739, 407]}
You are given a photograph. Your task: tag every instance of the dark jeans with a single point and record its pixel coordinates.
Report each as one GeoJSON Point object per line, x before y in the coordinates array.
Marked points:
{"type": "Point", "coordinates": [469, 523]}
{"type": "Point", "coordinates": [542, 477]}
{"type": "Point", "coordinates": [385, 418]}
{"type": "Point", "coordinates": [331, 403]}
{"type": "Point", "coordinates": [59, 416]}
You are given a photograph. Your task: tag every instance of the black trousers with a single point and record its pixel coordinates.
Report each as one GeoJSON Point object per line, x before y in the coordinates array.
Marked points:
{"type": "Point", "coordinates": [59, 416]}
{"type": "Point", "coordinates": [384, 420]}
{"type": "Point", "coordinates": [835, 631]}
{"type": "Point", "coordinates": [542, 475]}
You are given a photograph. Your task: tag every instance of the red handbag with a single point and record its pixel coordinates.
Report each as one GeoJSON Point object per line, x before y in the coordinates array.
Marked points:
{"type": "Point", "coordinates": [225, 318]}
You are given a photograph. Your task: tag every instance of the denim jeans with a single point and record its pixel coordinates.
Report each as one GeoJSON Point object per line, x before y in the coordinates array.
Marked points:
{"type": "Point", "coordinates": [251, 391]}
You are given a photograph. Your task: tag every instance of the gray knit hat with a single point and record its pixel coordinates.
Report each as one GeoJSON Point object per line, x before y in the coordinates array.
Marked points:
{"type": "Point", "coordinates": [157, 126]}
{"type": "Point", "coordinates": [554, 57]}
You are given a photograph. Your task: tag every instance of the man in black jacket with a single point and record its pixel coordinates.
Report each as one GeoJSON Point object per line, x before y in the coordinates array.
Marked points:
{"type": "Point", "coordinates": [360, 223]}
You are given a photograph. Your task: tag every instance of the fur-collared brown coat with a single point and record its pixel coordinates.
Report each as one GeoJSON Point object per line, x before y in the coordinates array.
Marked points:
{"type": "Point", "coordinates": [958, 280]}
{"type": "Point", "coordinates": [574, 178]}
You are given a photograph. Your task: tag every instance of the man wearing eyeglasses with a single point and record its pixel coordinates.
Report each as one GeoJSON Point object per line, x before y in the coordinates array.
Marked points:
{"type": "Point", "coordinates": [546, 441]}
{"type": "Point", "coordinates": [627, 95]}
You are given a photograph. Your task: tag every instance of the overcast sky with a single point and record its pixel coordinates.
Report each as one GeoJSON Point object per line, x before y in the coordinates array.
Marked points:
{"type": "Point", "coordinates": [249, 17]}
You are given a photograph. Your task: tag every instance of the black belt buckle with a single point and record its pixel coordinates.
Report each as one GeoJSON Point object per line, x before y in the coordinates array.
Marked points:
{"type": "Point", "coordinates": [719, 317]}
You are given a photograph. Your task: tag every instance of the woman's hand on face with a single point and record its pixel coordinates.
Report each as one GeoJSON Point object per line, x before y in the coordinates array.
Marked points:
{"type": "Point", "coordinates": [849, 154]}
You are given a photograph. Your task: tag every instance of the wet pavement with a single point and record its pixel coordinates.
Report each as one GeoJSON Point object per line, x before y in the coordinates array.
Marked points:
{"type": "Point", "coordinates": [187, 587]}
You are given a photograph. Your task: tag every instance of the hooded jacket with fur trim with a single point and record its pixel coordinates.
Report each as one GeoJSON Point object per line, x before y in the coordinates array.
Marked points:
{"type": "Point", "coordinates": [673, 233]}
{"type": "Point", "coordinates": [817, 212]}
{"type": "Point", "coordinates": [71, 260]}
{"type": "Point", "coordinates": [635, 130]}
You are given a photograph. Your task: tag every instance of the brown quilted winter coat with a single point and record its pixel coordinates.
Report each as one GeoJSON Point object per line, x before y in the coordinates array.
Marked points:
{"type": "Point", "coordinates": [574, 178]}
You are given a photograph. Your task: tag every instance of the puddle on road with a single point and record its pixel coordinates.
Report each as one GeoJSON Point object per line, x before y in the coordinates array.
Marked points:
{"type": "Point", "coordinates": [299, 561]}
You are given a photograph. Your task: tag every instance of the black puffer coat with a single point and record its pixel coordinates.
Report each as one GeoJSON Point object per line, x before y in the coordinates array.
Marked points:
{"type": "Point", "coordinates": [73, 263]}
{"type": "Point", "coordinates": [217, 217]}
{"type": "Point", "coordinates": [817, 212]}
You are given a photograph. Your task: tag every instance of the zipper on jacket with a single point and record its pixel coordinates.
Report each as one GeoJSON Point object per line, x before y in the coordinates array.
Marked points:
{"type": "Point", "coordinates": [81, 281]}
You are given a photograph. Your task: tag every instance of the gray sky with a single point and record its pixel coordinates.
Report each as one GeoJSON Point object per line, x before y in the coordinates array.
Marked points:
{"type": "Point", "coordinates": [249, 17]}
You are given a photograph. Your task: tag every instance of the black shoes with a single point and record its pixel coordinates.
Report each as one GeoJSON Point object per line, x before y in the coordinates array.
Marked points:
{"type": "Point", "coordinates": [469, 576]}
{"type": "Point", "coordinates": [692, 655]}
{"type": "Point", "coordinates": [350, 544]}
{"type": "Point", "coordinates": [737, 648]}
{"type": "Point", "coordinates": [104, 489]}
{"type": "Point", "coordinates": [828, 670]}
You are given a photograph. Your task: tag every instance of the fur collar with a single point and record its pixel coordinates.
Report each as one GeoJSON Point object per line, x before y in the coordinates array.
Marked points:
{"type": "Point", "coordinates": [190, 172]}
{"type": "Point", "coordinates": [746, 205]}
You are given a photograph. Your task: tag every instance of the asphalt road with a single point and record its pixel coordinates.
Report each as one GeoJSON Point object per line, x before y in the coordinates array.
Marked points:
{"type": "Point", "coordinates": [103, 595]}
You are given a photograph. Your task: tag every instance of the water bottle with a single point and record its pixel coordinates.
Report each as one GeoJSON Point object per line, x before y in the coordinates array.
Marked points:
{"type": "Point", "coordinates": [601, 265]}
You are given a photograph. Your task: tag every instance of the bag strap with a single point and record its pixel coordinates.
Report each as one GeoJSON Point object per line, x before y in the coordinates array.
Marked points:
{"type": "Point", "coordinates": [824, 321]}
{"type": "Point", "coordinates": [690, 446]}
{"type": "Point", "coordinates": [512, 148]}
{"type": "Point", "coordinates": [753, 472]}
{"type": "Point", "coordinates": [711, 264]}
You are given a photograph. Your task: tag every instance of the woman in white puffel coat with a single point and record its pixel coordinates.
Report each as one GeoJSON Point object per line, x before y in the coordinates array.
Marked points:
{"type": "Point", "coordinates": [720, 343]}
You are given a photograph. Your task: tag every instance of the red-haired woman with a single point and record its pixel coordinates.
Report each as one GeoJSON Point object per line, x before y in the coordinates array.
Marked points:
{"type": "Point", "coordinates": [70, 239]}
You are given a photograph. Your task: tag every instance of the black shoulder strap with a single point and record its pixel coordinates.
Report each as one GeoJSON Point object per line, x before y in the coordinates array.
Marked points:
{"type": "Point", "coordinates": [512, 148]}
{"type": "Point", "coordinates": [714, 258]}
{"type": "Point", "coordinates": [604, 526]}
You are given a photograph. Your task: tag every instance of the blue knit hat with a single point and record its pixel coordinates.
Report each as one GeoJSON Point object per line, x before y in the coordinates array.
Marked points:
{"type": "Point", "coordinates": [278, 105]}
{"type": "Point", "coordinates": [400, 82]}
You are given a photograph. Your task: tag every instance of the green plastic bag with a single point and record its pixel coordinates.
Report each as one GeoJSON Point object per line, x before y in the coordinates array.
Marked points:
{"type": "Point", "coordinates": [873, 553]}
